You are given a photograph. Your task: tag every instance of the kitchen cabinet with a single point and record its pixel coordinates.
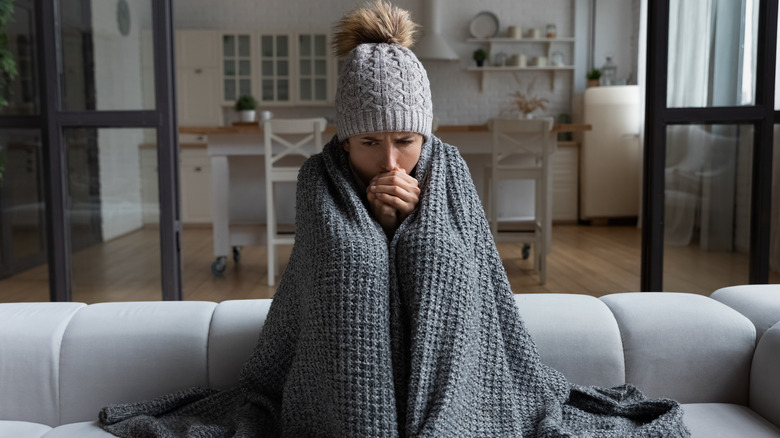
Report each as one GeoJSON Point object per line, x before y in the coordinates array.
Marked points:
{"type": "Point", "coordinates": [236, 66]}
{"type": "Point", "coordinates": [197, 48]}
{"type": "Point", "coordinates": [276, 68]}
{"type": "Point", "coordinates": [296, 68]}
{"type": "Point", "coordinates": [565, 182]}
{"type": "Point", "coordinates": [314, 80]}
{"type": "Point", "coordinates": [195, 186]}
{"type": "Point", "coordinates": [198, 96]}
{"type": "Point", "coordinates": [198, 78]}
{"type": "Point", "coordinates": [216, 67]}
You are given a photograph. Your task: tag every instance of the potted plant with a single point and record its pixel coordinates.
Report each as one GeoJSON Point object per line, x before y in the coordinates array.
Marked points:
{"type": "Point", "coordinates": [246, 106]}
{"type": "Point", "coordinates": [593, 77]}
{"type": "Point", "coordinates": [480, 55]}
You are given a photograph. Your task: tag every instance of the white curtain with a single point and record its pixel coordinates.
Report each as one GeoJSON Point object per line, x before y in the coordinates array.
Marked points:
{"type": "Point", "coordinates": [690, 43]}
{"type": "Point", "coordinates": [691, 26]}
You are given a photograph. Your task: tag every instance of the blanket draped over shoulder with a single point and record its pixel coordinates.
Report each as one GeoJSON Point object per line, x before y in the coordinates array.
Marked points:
{"type": "Point", "coordinates": [416, 335]}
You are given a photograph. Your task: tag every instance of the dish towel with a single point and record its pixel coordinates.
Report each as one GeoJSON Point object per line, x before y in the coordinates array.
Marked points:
{"type": "Point", "coordinates": [417, 335]}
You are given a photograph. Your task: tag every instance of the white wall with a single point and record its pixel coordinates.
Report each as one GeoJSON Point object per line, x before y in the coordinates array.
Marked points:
{"type": "Point", "coordinates": [457, 98]}
{"type": "Point", "coordinates": [118, 86]}
{"type": "Point", "coordinates": [615, 36]}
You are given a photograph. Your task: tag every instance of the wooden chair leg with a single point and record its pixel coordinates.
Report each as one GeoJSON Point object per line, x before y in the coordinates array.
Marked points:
{"type": "Point", "coordinates": [271, 232]}
{"type": "Point", "coordinates": [494, 206]}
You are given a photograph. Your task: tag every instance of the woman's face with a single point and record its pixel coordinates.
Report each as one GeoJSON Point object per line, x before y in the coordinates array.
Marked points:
{"type": "Point", "coordinates": [379, 152]}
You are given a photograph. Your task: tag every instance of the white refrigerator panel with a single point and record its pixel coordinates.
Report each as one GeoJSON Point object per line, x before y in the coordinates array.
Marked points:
{"type": "Point", "coordinates": [610, 155]}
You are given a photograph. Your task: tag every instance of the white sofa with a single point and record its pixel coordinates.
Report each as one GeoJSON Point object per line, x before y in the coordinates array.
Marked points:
{"type": "Point", "coordinates": [61, 362]}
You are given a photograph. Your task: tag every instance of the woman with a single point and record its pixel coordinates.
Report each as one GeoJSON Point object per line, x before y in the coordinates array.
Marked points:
{"type": "Point", "coordinates": [394, 316]}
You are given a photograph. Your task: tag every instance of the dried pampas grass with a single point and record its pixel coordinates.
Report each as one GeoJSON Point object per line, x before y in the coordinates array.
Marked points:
{"type": "Point", "coordinates": [376, 22]}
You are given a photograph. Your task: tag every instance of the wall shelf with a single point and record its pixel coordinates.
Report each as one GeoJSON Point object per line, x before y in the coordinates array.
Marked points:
{"type": "Point", "coordinates": [510, 68]}
{"type": "Point", "coordinates": [483, 71]}
{"type": "Point", "coordinates": [548, 42]}
{"type": "Point", "coordinates": [520, 40]}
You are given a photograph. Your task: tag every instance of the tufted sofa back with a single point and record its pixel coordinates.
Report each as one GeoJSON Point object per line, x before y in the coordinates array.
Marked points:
{"type": "Point", "coordinates": [61, 362]}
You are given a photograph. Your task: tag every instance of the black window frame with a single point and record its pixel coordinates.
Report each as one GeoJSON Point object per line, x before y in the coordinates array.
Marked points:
{"type": "Point", "coordinates": [761, 115]}
{"type": "Point", "coordinates": [52, 120]}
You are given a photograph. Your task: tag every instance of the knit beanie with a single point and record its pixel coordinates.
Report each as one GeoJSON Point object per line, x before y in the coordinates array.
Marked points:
{"type": "Point", "coordinates": [382, 86]}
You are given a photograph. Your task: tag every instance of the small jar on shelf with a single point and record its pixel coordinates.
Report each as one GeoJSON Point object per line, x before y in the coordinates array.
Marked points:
{"type": "Point", "coordinates": [551, 31]}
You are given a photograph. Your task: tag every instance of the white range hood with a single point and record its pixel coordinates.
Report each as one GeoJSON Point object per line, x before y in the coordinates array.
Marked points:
{"type": "Point", "coordinates": [432, 45]}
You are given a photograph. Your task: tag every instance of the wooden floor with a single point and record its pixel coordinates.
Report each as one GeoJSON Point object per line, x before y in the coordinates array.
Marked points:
{"type": "Point", "coordinates": [593, 260]}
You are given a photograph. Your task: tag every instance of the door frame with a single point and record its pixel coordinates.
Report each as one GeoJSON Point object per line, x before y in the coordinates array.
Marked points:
{"type": "Point", "coordinates": [52, 121]}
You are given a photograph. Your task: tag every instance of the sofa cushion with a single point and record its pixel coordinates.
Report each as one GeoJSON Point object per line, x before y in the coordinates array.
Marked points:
{"type": "Point", "coordinates": [686, 347]}
{"type": "Point", "coordinates": [235, 328]}
{"type": "Point", "coordinates": [31, 334]}
{"type": "Point", "coordinates": [132, 351]}
{"type": "Point", "coordinates": [765, 376]}
{"type": "Point", "coordinates": [22, 429]}
{"type": "Point", "coordinates": [759, 302]}
{"type": "Point", "coordinates": [723, 420]}
{"type": "Point", "coordinates": [87, 429]}
{"type": "Point", "coordinates": [577, 335]}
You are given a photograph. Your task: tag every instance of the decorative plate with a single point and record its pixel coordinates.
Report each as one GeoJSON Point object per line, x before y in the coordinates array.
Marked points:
{"type": "Point", "coordinates": [484, 25]}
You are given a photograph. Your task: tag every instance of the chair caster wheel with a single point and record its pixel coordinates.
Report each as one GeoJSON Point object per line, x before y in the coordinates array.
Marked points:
{"type": "Point", "coordinates": [218, 267]}
{"type": "Point", "coordinates": [526, 251]}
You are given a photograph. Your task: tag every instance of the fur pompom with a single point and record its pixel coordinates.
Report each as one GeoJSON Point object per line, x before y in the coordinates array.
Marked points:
{"type": "Point", "coordinates": [376, 22]}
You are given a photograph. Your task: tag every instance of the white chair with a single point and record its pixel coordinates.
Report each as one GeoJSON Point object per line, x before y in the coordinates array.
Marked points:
{"type": "Point", "coordinates": [521, 150]}
{"type": "Point", "coordinates": [288, 142]}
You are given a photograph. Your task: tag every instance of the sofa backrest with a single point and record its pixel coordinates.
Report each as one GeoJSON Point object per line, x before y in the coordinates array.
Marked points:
{"type": "Point", "coordinates": [684, 346]}
{"type": "Point", "coordinates": [132, 351]}
{"type": "Point", "coordinates": [62, 362]}
{"type": "Point", "coordinates": [577, 335]}
{"type": "Point", "coordinates": [235, 327]}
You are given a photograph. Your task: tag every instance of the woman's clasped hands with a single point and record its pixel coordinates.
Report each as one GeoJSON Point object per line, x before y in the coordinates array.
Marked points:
{"type": "Point", "coordinates": [392, 196]}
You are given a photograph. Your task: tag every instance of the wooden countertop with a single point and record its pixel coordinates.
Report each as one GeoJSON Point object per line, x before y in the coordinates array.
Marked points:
{"type": "Point", "coordinates": [558, 127]}
{"type": "Point", "coordinates": [331, 129]}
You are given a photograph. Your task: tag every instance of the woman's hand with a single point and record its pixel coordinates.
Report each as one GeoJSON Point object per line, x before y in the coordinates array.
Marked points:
{"type": "Point", "coordinates": [392, 196]}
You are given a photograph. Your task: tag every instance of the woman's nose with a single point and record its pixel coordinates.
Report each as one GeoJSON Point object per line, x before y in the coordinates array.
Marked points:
{"type": "Point", "coordinates": [389, 161]}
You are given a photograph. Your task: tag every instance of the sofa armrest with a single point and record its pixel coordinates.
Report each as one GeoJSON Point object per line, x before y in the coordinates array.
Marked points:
{"type": "Point", "coordinates": [30, 340]}
{"type": "Point", "coordinates": [759, 302]}
{"type": "Point", "coordinates": [765, 376]}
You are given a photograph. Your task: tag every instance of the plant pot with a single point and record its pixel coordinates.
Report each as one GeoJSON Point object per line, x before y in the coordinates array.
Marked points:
{"type": "Point", "coordinates": [593, 82]}
{"type": "Point", "coordinates": [480, 63]}
{"type": "Point", "coordinates": [248, 116]}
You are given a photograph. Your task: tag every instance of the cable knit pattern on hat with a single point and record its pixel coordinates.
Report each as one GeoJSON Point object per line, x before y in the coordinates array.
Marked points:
{"type": "Point", "coordinates": [383, 87]}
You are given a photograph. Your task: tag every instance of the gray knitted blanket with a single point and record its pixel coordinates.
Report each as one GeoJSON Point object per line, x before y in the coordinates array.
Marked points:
{"type": "Point", "coordinates": [417, 335]}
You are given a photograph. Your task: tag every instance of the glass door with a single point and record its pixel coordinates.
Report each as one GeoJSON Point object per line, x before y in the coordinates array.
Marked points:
{"type": "Point", "coordinates": [708, 144]}
{"type": "Point", "coordinates": [103, 153]}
